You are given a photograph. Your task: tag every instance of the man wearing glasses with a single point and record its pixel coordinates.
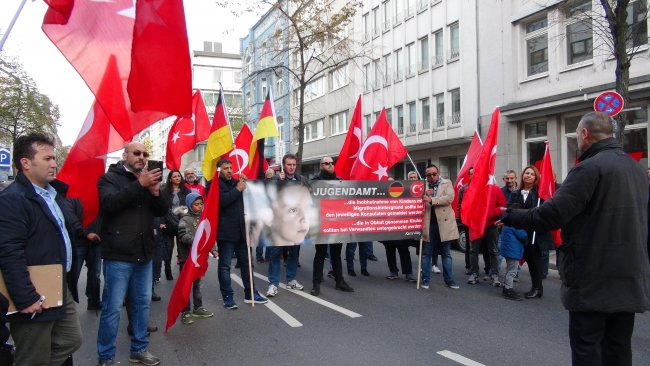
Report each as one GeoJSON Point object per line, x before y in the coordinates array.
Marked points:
{"type": "Point", "coordinates": [129, 199]}
{"type": "Point", "coordinates": [439, 226]}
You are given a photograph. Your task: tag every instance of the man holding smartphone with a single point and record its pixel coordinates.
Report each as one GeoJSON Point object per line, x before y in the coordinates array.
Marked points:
{"type": "Point", "coordinates": [129, 198]}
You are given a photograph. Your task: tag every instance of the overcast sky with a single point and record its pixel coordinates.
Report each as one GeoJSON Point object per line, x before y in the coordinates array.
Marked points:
{"type": "Point", "coordinates": [55, 77]}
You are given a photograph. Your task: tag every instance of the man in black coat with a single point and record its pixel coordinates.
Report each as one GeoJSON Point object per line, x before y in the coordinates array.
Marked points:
{"type": "Point", "coordinates": [35, 229]}
{"type": "Point", "coordinates": [129, 199]}
{"type": "Point", "coordinates": [601, 208]}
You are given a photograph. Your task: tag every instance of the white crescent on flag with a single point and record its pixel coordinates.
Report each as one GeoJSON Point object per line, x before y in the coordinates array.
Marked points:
{"type": "Point", "coordinates": [193, 126]}
{"type": "Point", "coordinates": [200, 240]}
{"type": "Point", "coordinates": [240, 153]}
{"type": "Point", "coordinates": [357, 134]}
{"type": "Point", "coordinates": [371, 140]}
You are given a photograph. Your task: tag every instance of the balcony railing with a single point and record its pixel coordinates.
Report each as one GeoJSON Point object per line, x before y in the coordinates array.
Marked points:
{"type": "Point", "coordinates": [410, 11]}
{"type": "Point", "coordinates": [375, 32]}
{"type": "Point", "coordinates": [386, 25]}
{"type": "Point", "coordinates": [440, 122]}
{"type": "Point", "coordinates": [454, 119]}
{"type": "Point", "coordinates": [366, 87]}
{"type": "Point", "coordinates": [426, 125]}
{"type": "Point", "coordinates": [366, 37]}
{"type": "Point", "coordinates": [424, 65]}
{"type": "Point", "coordinates": [410, 70]}
{"type": "Point", "coordinates": [436, 60]}
{"type": "Point", "coordinates": [400, 130]}
{"type": "Point", "coordinates": [413, 127]}
{"type": "Point", "coordinates": [376, 84]}
{"type": "Point", "coordinates": [399, 74]}
{"type": "Point", "coordinates": [397, 19]}
{"type": "Point", "coordinates": [423, 4]}
{"type": "Point", "coordinates": [453, 53]}
{"type": "Point", "coordinates": [387, 79]}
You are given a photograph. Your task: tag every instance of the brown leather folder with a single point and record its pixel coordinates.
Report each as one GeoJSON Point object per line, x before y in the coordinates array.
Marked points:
{"type": "Point", "coordinates": [48, 281]}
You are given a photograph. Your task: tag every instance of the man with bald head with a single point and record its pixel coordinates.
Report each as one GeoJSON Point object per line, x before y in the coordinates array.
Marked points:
{"type": "Point", "coordinates": [601, 208]}
{"type": "Point", "coordinates": [192, 182]}
{"type": "Point", "coordinates": [129, 199]}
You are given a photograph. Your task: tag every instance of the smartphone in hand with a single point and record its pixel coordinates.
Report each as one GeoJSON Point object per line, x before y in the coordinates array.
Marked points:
{"type": "Point", "coordinates": [155, 164]}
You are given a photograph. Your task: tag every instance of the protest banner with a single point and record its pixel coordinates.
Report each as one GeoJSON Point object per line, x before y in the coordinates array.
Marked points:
{"type": "Point", "coordinates": [282, 213]}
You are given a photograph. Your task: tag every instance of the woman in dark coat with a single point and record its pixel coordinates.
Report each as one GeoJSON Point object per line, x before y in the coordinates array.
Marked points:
{"type": "Point", "coordinates": [538, 241]}
{"type": "Point", "coordinates": [175, 192]}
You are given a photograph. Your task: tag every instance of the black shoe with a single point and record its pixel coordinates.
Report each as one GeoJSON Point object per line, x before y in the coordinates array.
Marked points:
{"type": "Point", "coordinates": [130, 330]}
{"type": "Point", "coordinates": [145, 358]}
{"type": "Point", "coordinates": [373, 258]}
{"type": "Point", "coordinates": [238, 265]}
{"type": "Point", "coordinates": [365, 272]}
{"type": "Point", "coordinates": [315, 291]}
{"type": "Point", "coordinates": [510, 294]}
{"type": "Point", "coordinates": [344, 287]}
{"type": "Point", "coordinates": [352, 273]}
{"type": "Point", "coordinates": [534, 293]}
{"type": "Point", "coordinates": [95, 306]}
{"type": "Point", "coordinates": [299, 265]}
{"type": "Point", "coordinates": [151, 328]}
{"type": "Point", "coordinates": [155, 297]}
{"type": "Point", "coordinates": [168, 274]}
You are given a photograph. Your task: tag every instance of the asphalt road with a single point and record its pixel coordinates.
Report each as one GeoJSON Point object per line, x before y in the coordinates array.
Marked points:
{"type": "Point", "coordinates": [384, 322]}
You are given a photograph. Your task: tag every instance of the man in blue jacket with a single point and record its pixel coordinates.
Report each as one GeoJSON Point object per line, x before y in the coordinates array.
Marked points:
{"type": "Point", "coordinates": [231, 235]}
{"type": "Point", "coordinates": [36, 229]}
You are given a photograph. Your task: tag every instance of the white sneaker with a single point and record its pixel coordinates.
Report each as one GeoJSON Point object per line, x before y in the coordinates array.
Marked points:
{"type": "Point", "coordinates": [435, 269]}
{"type": "Point", "coordinates": [294, 285]}
{"type": "Point", "coordinates": [272, 291]}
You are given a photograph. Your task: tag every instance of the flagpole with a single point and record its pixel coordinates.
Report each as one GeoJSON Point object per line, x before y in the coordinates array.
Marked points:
{"type": "Point", "coordinates": [414, 166]}
{"type": "Point", "coordinates": [535, 232]}
{"type": "Point", "coordinates": [225, 112]}
{"type": "Point", "coordinates": [11, 25]}
{"type": "Point", "coordinates": [420, 262]}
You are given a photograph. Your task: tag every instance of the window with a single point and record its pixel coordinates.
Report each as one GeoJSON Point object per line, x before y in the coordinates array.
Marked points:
{"type": "Point", "coordinates": [440, 110]}
{"type": "Point", "coordinates": [199, 152]}
{"type": "Point", "coordinates": [249, 65]}
{"type": "Point", "coordinates": [210, 98]}
{"type": "Point", "coordinates": [375, 22]}
{"type": "Point", "coordinates": [537, 46]}
{"type": "Point", "coordinates": [425, 114]}
{"type": "Point", "coordinates": [386, 8]}
{"type": "Point", "coordinates": [438, 57]}
{"type": "Point", "coordinates": [296, 60]}
{"type": "Point", "coordinates": [368, 123]}
{"type": "Point", "coordinates": [579, 32]}
{"type": "Point", "coordinates": [400, 120]}
{"type": "Point", "coordinates": [410, 62]}
{"type": "Point", "coordinates": [339, 77]}
{"type": "Point", "coordinates": [389, 116]}
{"type": "Point", "coordinates": [280, 123]}
{"type": "Point", "coordinates": [399, 73]}
{"type": "Point", "coordinates": [237, 77]}
{"type": "Point", "coordinates": [253, 95]}
{"type": "Point", "coordinates": [314, 89]}
{"type": "Point", "coordinates": [339, 123]}
{"type": "Point", "coordinates": [279, 84]}
{"type": "Point", "coordinates": [455, 107]}
{"type": "Point", "coordinates": [366, 78]}
{"type": "Point", "coordinates": [534, 142]}
{"type": "Point", "coordinates": [263, 54]}
{"type": "Point", "coordinates": [454, 42]}
{"type": "Point", "coordinates": [398, 12]}
{"type": "Point", "coordinates": [424, 54]}
{"type": "Point", "coordinates": [410, 8]}
{"type": "Point", "coordinates": [387, 70]}
{"type": "Point", "coordinates": [376, 84]}
{"type": "Point", "coordinates": [313, 130]}
{"type": "Point", "coordinates": [637, 19]}
{"type": "Point", "coordinates": [263, 85]}
{"type": "Point", "coordinates": [296, 97]}
{"type": "Point", "coordinates": [423, 4]}
{"type": "Point", "coordinates": [412, 118]}
{"type": "Point", "coordinates": [366, 28]}
{"type": "Point", "coordinates": [247, 102]}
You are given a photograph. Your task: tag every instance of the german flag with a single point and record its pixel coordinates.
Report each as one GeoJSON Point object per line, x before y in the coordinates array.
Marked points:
{"type": "Point", "coordinates": [396, 189]}
{"type": "Point", "coordinates": [265, 128]}
{"type": "Point", "coordinates": [220, 140]}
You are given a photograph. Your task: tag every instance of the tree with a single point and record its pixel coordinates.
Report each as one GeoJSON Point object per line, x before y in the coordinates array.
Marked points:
{"type": "Point", "coordinates": [620, 28]}
{"type": "Point", "coordinates": [315, 35]}
{"type": "Point", "coordinates": [23, 108]}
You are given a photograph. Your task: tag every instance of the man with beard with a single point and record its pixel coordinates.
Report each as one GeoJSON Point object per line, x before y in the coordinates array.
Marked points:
{"type": "Point", "coordinates": [192, 182]}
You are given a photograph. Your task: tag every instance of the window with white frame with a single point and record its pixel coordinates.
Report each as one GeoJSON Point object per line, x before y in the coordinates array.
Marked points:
{"type": "Point", "coordinates": [279, 84]}
{"type": "Point", "coordinates": [637, 20]}
{"type": "Point", "coordinates": [386, 8]}
{"type": "Point", "coordinates": [398, 12]}
{"type": "Point", "coordinates": [400, 120]}
{"type": "Point", "coordinates": [389, 116]}
{"type": "Point", "coordinates": [579, 32]}
{"type": "Point", "coordinates": [410, 61]}
{"type": "Point", "coordinates": [426, 121]}
{"type": "Point", "coordinates": [410, 8]}
{"type": "Point", "coordinates": [253, 90]}
{"type": "Point", "coordinates": [535, 135]}
{"type": "Point", "coordinates": [375, 22]}
{"type": "Point", "coordinates": [412, 118]}
{"type": "Point", "coordinates": [236, 77]}
{"type": "Point", "coordinates": [314, 89]}
{"type": "Point", "coordinates": [280, 123]}
{"type": "Point", "coordinates": [399, 67]}
{"type": "Point", "coordinates": [454, 41]}
{"type": "Point", "coordinates": [263, 54]}
{"type": "Point", "coordinates": [199, 152]}
{"type": "Point", "coordinates": [339, 123]}
{"type": "Point", "coordinates": [263, 87]}
{"type": "Point", "coordinates": [366, 27]}
{"type": "Point", "coordinates": [440, 110]}
{"type": "Point", "coordinates": [439, 57]}
{"type": "Point", "coordinates": [424, 53]}
{"type": "Point", "coordinates": [537, 46]}
{"type": "Point", "coordinates": [455, 107]}
{"type": "Point", "coordinates": [387, 70]}
{"type": "Point", "coordinates": [376, 83]}
{"type": "Point", "coordinates": [366, 78]}
{"type": "Point", "coordinates": [249, 65]}
{"type": "Point", "coordinates": [313, 130]}
{"type": "Point", "coordinates": [339, 77]}
{"type": "Point", "coordinates": [247, 102]}
{"type": "Point", "coordinates": [367, 122]}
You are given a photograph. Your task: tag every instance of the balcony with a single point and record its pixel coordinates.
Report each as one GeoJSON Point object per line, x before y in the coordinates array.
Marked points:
{"type": "Point", "coordinates": [397, 19]}
{"type": "Point", "coordinates": [366, 37]}
{"type": "Point", "coordinates": [424, 65]}
{"type": "Point", "coordinates": [400, 130]}
{"type": "Point", "coordinates": [375, 32]}
{"type": "Point", "coordinates": [423, 4]}
{"type": "Point", "coordinates": [410, 12]}
{"type": "Point", "coordinates": [387, 80]}
{"type": "Point", "coordinates": [386, 25]}
{"type": "Point", "coordinates": [453, 53]}
{"type": "Point", "coordinates": [426, 125]}
{"type": "Point", "coordinates": [440, 122]}
{"type": "Point", "coordinates": [376, 84]}
{"type": "Point", "coordinates": [436, 60]}
{"type": "Point", "coordinates": [399, 74]}
{"type": "Point", "coordinates": [413, 128]}
{"type": "Point", "coordinates": [410, 70]}
{"type": "Point", "coordinates": [454, 119]}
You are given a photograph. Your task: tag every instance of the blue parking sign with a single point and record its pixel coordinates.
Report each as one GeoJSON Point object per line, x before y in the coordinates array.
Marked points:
{"type": "Point", "coordinates": [5, 157]}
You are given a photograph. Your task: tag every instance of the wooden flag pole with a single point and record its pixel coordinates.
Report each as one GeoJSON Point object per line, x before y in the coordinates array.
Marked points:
{"type": "Point", "coordinates": [419, 265]}
{"type": "Point", "coordinates": [250, 265]}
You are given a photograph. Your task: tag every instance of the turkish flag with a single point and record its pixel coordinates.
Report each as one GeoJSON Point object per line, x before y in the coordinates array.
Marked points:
{"type": "Point", "coordinates": [381, 150]}
{"type": "Point", "coordinates": [546, 186]}
{"type": "Point", "coordinates": [96, 38]}
{"type": "Point", "coordinates": [86, 161]}
{"type": "Point", "coordinates": [352, 145]}
{"type": "Point", "coordinates": [161, 74]}
{"type": "Point", "coordinates": [471, 157]}
{"type": "Point", "coordinates": [197, 263]}
{"type": "Point", "coordinates": [475, 208]}
{"type": "Point", "coordinates": [239, 154]}
{"type": "Point", "coordinates": [185, 133]}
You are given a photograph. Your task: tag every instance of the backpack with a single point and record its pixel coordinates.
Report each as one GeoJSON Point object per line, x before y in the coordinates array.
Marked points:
{"type": "Point", "coordinates": [171, 223]}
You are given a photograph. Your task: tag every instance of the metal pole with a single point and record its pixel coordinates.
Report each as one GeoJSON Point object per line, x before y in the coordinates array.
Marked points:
{"type": "Point", "coordinates": [11, 25]}
{"type": "Point", "coordinates": [414, 166]}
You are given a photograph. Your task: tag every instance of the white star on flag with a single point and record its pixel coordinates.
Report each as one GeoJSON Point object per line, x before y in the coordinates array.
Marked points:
{"type": "Point", "coordinates": [151, 15]}
{"type": "Point", "coordinates": [382, 171]}
{"type": "Point", "coordinates": [176, 136]}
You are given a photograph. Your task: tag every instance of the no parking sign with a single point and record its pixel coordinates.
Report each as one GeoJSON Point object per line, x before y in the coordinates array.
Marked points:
{"type": "Point", "coordinates": [609, 102]}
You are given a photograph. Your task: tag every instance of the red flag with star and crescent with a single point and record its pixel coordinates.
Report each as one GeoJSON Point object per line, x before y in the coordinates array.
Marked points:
{"type": "Point", "coordinates": [97, 38]}
{"type": "Point", "coordinates": [239, 154]}
{"type": "Point", "coordinates": [381, 150]}
{"type": "Point", "coordinates": [472, 155]}
{"type": "Point", "coordinates": [185, 133]}
{"type": "Point", "coordinates": [352, 145]}
{"type": "Point", "coordinates": [474, 208]}
{"type": "Point", "coordinates": [546, 186]}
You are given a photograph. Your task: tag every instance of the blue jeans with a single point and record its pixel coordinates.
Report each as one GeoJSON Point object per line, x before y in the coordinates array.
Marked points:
{"type": "Point", "coordinates": [370, 249]}
{"type": "Point", "coordinates": [436, 246]}
{"type": "Point", "coordinates": [350, 248]}
{"type": "Point", "coordinates": [275, 264]}
{"type": "Point", "coordinates": [546, 256]}
{"type": "Point", "coordinates": [226, 249]}
{"type": "Point", "coordinates": [96, 252]}
{"type": "Point", "coordinates": [118, 278]}
{"type": "Point", "coordinates": [259, 253]}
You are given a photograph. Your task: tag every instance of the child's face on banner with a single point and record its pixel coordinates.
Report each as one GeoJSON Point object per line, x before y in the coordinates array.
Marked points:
{"type": "Point", "coordinates": [291, 212]}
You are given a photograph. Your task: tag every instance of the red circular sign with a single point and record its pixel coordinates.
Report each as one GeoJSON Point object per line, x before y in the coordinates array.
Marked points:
{"type": "Point", "coordinates": [417, 188]}
{"type": "Point", "coordinates": [609, 102]}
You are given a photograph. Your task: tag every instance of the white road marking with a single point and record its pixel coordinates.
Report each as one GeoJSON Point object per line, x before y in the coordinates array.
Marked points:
{"type": "Point", "coordinates": [460, 359]}
{"type": "Point", "coordinates": [315, 299]}
{"type": "Point", "coordinates": [293, 322]}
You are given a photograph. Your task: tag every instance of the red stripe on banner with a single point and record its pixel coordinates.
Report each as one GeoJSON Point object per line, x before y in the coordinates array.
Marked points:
{"type": "Point", "coordinates": [377, 225]}
{"type": "Point", "coordinates": [368, 208]}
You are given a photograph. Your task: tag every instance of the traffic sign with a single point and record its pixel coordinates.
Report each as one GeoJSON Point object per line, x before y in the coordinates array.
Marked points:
{"type": "Point", "coordinates": [609, 102]}
{"type": "Point", "coordinates": [5, 157]}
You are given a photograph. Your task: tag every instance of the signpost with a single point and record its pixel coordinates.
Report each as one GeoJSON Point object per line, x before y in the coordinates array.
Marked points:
{"type": "Point", "coordinates": [609, 102]}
